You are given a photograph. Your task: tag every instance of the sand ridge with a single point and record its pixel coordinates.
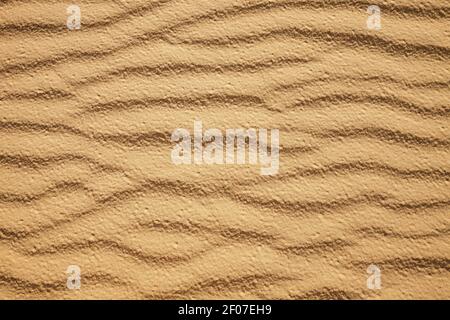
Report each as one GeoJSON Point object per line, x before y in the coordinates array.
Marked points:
{"type": "Point", "coordinates": [85, 149]}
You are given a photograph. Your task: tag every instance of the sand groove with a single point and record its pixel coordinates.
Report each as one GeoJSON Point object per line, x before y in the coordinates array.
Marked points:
{"type": "Point", "coordinates": [86, 123]}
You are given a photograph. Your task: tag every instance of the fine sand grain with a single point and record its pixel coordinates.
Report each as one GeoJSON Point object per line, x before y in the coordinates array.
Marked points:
{"type": "Point", "coordinates": [86, 118]}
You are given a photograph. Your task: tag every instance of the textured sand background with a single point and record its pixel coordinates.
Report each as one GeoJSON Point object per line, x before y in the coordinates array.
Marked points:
{"type": "Point", "coordinates": [86, 177]}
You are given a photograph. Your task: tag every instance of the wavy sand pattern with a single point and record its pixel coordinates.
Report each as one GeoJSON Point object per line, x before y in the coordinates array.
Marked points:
{"type": "Point", "coordinates": [87, 179]}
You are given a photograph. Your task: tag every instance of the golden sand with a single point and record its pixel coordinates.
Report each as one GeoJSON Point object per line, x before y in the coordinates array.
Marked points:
{"type": "Point", "coordinates": [85, 145]}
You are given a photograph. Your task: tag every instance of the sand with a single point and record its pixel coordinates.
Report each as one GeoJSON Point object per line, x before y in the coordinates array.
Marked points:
{"type": "Point", "coordinates": [85, 150]}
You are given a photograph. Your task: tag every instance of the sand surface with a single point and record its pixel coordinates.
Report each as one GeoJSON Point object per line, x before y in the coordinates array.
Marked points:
{"type": "Point", "coordinates": [86, 118]}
